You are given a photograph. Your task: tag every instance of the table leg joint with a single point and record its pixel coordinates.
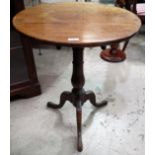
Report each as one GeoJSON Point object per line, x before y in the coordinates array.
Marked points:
{"type": "Point", "coordinates": [90, 95]}
{"type": "Point", "coordinates": [66, 95]}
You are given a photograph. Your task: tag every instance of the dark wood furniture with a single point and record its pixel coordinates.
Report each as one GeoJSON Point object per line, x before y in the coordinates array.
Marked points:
{"type": "Point", "coordinates": [115, 54]}
{"type": "Point", "coordinates": [137, 8]}
{"type": "Point", "coordinates": [71, 24]}
{"type": "Point", "coordinates": [23, 77]}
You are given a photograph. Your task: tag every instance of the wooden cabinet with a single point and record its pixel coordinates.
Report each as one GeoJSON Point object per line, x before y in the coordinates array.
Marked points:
{"type": "Point", "coordinates": [23, 77]}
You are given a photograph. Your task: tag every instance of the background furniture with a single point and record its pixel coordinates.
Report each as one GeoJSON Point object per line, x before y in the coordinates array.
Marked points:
{"type": "Point", "coordinates": [23, 77]}
{"type": "Point", "coordinates": [137, 7]}
{"type": "Point", "coordinates": [115, 53]}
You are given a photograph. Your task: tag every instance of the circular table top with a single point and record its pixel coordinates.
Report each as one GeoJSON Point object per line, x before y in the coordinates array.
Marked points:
{"type": "Point", "coordinates": [77, 24]}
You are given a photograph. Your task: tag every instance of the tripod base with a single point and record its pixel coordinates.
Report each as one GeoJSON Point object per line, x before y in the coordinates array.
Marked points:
{"type": "Point", "coordinates": [77, 97]}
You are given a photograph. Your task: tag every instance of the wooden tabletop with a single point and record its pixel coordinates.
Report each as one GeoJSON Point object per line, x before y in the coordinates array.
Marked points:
{"type": "Point", "coordinates": [77, 24]}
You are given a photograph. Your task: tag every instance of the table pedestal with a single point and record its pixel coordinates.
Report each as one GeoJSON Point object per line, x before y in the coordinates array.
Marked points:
{"type": "Point", "coordinates": [78, 95]}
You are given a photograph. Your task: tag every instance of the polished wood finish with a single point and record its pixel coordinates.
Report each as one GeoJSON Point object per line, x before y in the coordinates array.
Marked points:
{"type": "Point", "coordinates": [115, 54]}
{"type": "Point", "coordinates": [71, 24]}
{"type": "Point", "coordinates": [137, 8]}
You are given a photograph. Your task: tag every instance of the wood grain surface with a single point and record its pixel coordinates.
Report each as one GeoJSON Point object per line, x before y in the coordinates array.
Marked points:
{"type": "Point", "coordinates": [77, 24]}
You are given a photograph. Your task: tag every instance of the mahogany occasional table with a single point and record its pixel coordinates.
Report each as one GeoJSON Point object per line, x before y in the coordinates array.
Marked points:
{"type": "Point", "coordinates": [77, 25]}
